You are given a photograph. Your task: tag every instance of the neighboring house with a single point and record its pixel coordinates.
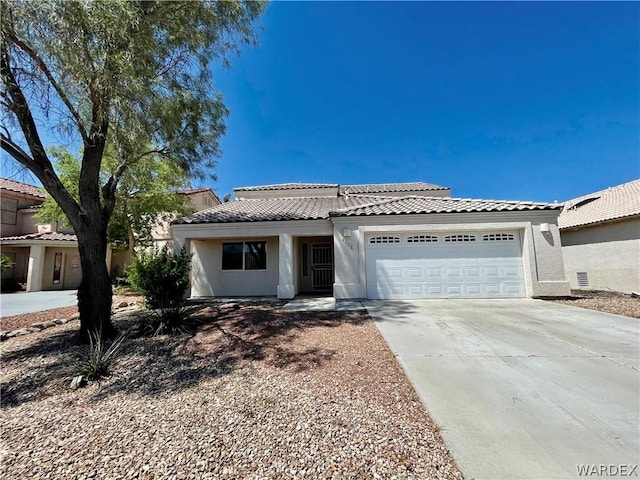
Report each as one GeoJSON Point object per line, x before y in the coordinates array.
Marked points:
{"type": "Point", "coordinates": [401, 240]}
{"type": "Point", "coordinates": [600, 235]}
{"type": "Point", "coordinates": [201, 199]}
{"type": "Point", "coordinates": [43, 256]}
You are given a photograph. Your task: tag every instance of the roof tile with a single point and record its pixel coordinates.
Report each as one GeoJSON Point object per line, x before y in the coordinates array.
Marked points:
{"type": "Point", "coordinates": [316, 208]}
{"type": "Point", "coordinates": [390, 187]}
{"type": "Point", "coordinates": [426, 205]}
{"type": "Point", "coordinates": [51, 236]}
{"type": "Point", "coordinates": [604, 206]}
{"type": "Point", "coordinates": [20, 187]}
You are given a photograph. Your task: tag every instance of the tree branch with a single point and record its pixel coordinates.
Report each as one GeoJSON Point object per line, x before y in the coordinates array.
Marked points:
{"type": "Point", "coordinates": [45, 69]}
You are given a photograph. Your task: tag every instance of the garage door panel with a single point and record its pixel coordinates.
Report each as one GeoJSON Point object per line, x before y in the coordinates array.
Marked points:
{"type": "Point", "coordinates": [438, 270]}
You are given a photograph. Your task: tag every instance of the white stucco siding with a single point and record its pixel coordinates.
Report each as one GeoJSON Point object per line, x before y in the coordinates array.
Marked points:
{"type": "Point", "coordinates": [209, 280]}
{"type": "Point", "coordinates": [609, 254]}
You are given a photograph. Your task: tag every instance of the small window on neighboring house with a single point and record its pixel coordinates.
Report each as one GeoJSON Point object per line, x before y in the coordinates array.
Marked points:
{"type": "Point", "coordinates": [57, 267]}
{"type": "Point", "coordinates": [384, 239]}
{"type": "Point", "coordinates": [244, 255]}
{"type": "Point", "coordinates": [459, 238]}
{"type": "Point", "coordinates": [9, 207]}
{"type": "Point", "coordinates": [583, 279]}
{"type": "Point", "coordinates": [422, 239]}
{"type": "Point", "coordinates": [498, 237]}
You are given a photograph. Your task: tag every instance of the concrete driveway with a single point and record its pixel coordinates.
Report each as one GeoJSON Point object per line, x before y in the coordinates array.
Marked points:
{"type": "Point", "coordinates": [27, 302]}
{"type": "Point", "coordinates": [522, 388]}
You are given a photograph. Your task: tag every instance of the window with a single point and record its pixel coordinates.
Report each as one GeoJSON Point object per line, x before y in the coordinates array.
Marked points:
{"type": "Point", "coordinates": [9, 211]}
{"type": "Point", "coordinates": [244, 256]}
{"type": "Point", "coordinates": [305, 259]}
{"type": "Point", "coordinates": [422, 239]}
{"type": "Point", "coordinates": [57, 267]}
{"type": "Point", "coordinates": [459, 238]}
{"type": "Point", "coordinates": [232, 256]}
{"type": "Point", "coordinates": [498, 237]}
{"type": "Point", "coordinates": [255, 255]}
{"type": "Point", "coordinates": [384, 240]}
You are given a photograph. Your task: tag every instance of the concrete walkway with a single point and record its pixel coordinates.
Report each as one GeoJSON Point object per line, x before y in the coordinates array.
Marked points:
{"type": "Point", "coordinates": [28, 302]}
{"type": "Point", "coordinates": [322, 304]}
{"type": "Point", "coordinates": [522, 389]}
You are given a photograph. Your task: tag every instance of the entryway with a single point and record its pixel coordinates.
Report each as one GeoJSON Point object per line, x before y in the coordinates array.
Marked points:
{"type": "Point", "coordinates": [315, 268]}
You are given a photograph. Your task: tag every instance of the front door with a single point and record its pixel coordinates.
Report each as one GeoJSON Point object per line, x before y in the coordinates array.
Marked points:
{"type": "Point", "coordinates": [322, 267]}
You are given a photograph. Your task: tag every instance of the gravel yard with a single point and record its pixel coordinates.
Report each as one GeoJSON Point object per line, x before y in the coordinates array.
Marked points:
{"type": "Point", "coordinates": [610, 302]}
{"type": "Point", "coordinates": [16, 322]}
{"type": "Point", "coordinates": [258, 393]}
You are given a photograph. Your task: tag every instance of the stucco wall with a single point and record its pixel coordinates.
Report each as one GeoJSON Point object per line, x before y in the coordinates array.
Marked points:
{"type": "Point", "coordinates": [609, 254]}
{"type": "Point", "coordinates": [208, 279]}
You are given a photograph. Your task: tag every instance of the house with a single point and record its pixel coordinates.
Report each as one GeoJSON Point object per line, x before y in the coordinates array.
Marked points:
{"type": "Point", "coordinates": [44, 256]}
{"type": "Point", "coordinates": [199, 199]}
{"type": "Point", "coordinates": [600, 235]}
{"type": "Point", "coordinates": [396, 240]}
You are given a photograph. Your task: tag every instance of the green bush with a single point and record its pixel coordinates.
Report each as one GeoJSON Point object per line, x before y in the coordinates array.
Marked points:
{"type": "Point", "coordinates": [96, 361]}
{"type": "Point", "coordinates": [162, 278]}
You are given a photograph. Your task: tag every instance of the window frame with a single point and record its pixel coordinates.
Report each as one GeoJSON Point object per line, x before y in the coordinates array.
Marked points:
{"type": "Point", "coordinates": [243, 254]}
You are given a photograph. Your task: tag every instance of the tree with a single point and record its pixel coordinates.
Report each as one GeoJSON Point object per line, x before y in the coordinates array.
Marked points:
{"type": "Point", "coordinates": [145, 196]}
{"type": "Point", "coordinates": [123, 73]}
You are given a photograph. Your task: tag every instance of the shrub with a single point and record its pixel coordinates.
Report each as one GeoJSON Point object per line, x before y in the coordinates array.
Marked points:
{"type": "Point", "coordinates": [97, 360]}
{"type": "Point", "coordinates": [162, 278]}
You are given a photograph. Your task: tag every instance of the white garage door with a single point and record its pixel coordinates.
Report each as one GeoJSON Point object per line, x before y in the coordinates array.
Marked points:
{"type": "Point", "coordinates": [444, 265]}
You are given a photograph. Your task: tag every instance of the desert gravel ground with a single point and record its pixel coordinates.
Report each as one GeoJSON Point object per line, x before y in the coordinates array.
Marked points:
{"type": "Point", "coordinates": [610, 302]}
{"type": "Point", "coordinates": [255, 394]}
{"type": "Point", "coordinates": [24, 320]}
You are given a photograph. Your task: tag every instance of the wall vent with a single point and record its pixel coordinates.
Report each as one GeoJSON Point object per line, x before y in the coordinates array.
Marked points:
{"type": "Point", "coordinates": [583, 279]}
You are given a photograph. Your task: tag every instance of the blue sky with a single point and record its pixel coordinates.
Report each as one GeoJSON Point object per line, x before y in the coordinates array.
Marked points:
{"type": "Point", "coordinates": [528, 101]}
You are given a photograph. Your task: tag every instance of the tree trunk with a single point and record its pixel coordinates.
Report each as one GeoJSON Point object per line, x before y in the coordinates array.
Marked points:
{"type": "Point", "coordinates": [94, 294]}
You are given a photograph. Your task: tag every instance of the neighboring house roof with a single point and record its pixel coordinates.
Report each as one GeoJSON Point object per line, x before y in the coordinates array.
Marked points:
{"type": "Point", "coordinates": [285, 186]}
{"type": "Point", "coordinates": [50, 236]}
{"type": "Point", "coordinates": [19, 187]}
{"type": "Point", "coordinates": [608, 205]}
{"type": "Point", "coordinates": [316, 208]}
{"type": "Point", "coordinates": [390, 187]}
{"type": "Point", "coordinates": [192, 191]}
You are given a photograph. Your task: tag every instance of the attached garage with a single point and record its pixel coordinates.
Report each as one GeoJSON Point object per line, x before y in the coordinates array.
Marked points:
{"type": "Point", "coordinates": [444, 265]}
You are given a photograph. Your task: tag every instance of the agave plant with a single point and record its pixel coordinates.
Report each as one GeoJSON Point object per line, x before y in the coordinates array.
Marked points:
{"type": "Point", "coordinates": [97, 361]}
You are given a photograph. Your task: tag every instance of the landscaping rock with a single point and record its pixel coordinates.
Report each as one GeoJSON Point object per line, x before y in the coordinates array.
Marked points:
{"type": "Point", "coordinates": [123, 304]}
{"type": "Point", "coordinates": [78, 382]}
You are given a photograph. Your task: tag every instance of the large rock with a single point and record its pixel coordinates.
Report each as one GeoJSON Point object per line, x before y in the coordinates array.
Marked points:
{"type": "Point", "coordinates": [78, 382]}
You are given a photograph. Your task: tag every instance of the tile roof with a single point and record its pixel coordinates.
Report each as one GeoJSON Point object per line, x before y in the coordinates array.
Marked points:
{"type": "Point", "coordinates": [606, 205]}
{"type": "Point", "coordinates": [315, 208]}
{"type": "Point", "coordinates": [274, 209]}
{"type": "Point", "coordinates": [51, 236]}
{"type": "Point", "coordinates": [191, 191]}
{"type": "Point", "coordinates": [421, 205]}
{"type": "Point", "coordinates": [390, 187]}
{"type": "Point", "coordinates": [20, 187]}
{"type": "Point", "coordinates": [286, 186]}
{"type": "Point", "coordinates": [352, 189]}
